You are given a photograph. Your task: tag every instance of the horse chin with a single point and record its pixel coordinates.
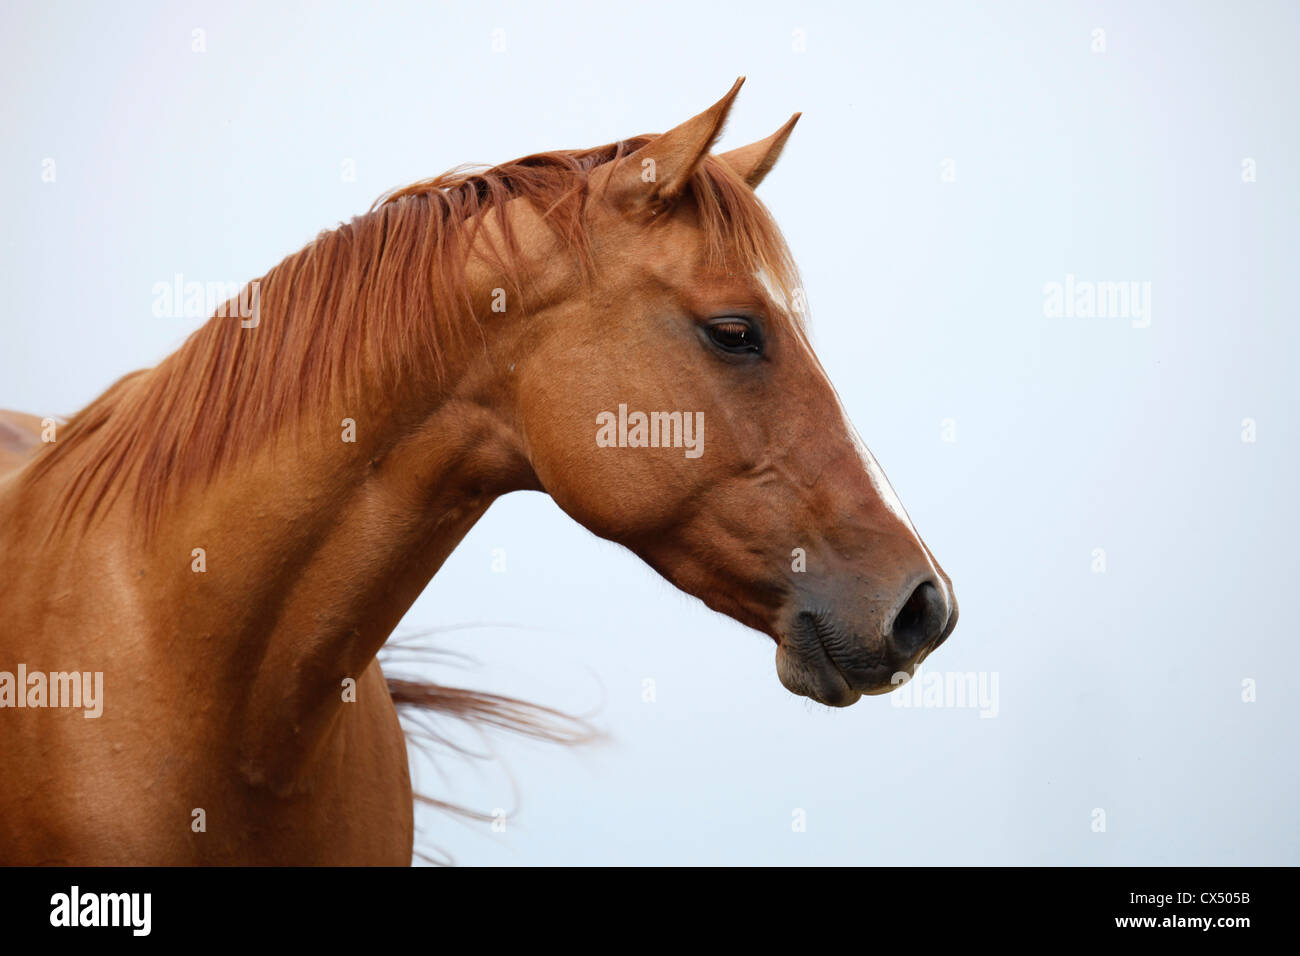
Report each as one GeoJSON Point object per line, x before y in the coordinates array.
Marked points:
{"type": "Point", "coordinates": [814, 676]}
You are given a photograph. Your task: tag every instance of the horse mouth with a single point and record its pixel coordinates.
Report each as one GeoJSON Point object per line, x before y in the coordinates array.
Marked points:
{"type": "Point", "coordinates": [817, 660]}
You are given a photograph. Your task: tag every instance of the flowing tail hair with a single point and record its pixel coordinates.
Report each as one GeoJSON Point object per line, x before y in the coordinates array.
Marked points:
{"type": "Point", "coordinates": [425, 707]}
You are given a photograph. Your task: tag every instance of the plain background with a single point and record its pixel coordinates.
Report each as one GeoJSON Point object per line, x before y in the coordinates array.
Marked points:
{"type": "Point", "coordinates": [1120, 691]}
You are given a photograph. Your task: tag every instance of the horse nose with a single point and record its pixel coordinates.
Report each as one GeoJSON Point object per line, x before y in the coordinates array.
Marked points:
{"type": "Point", "coordinates": [920, 620]}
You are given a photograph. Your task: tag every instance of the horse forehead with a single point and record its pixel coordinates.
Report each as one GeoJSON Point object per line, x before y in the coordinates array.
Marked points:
{"type": "Point", "coordinates": [684, 265]}
{"type": "Point", "coordinates": [666, 250]}
{"type": "Point", "coordinates": [675, 257]}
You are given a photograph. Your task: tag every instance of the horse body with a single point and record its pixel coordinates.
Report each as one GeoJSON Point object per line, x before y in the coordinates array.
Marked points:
{"type": "Point", "coordinates": [230, 538]}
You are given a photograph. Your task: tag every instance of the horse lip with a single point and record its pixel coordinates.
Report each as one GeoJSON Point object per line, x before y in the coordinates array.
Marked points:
{"type": "Point", "coordinates": [807, 646]}
{"type": "Point", "coordinates": [820, 630]}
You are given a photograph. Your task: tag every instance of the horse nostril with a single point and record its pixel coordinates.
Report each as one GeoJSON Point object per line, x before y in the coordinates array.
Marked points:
{"type": "Point", "coordinates": [920, 620]}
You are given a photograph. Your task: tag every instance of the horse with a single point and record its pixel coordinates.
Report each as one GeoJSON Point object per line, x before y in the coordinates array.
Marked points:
{"type": "Point", "coordinates": [229, 538]}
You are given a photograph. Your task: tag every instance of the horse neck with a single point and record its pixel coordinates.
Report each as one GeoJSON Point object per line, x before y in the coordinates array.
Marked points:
{"type": "Point", "coordinates": [312, 561]}
{"type": "Point", "coordinates": [315, 544]}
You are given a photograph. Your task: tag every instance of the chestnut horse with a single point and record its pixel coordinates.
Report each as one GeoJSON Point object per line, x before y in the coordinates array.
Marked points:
{"type": "Point", "coordinates": [228, 539]}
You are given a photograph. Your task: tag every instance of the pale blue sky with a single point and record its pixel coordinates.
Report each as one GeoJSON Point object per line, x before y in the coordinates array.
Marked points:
{"type": "Point", "coordinates": [1120, 690]}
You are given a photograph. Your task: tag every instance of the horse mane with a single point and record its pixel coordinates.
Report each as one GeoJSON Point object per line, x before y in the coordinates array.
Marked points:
{"type": "Point", "coordinates": [349, 305]}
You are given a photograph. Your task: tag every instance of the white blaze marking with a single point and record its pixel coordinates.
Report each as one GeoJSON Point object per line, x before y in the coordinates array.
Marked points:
{"type": "Point", "coordinates": [773, 291]}
{"type": "Point", "coordinates": [889, 497]}
{"type": "Point", "coordinates": [875, 474]}
{"type": "Point", "coordinates": [878, 480]}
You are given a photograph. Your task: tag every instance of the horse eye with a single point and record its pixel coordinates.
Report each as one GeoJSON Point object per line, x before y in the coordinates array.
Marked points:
{"type": "Point", "coordinates": [734, 335]}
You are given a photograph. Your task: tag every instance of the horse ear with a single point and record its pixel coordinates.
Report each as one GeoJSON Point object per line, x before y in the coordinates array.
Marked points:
{"type": "Point", "coordinates": [659, 171]}
{"type": "Point", "coordinates": [755, 161]}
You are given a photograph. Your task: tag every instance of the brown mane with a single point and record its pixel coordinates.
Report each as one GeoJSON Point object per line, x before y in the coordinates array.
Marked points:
{"type": "Point", "coordinates": [347, 303]}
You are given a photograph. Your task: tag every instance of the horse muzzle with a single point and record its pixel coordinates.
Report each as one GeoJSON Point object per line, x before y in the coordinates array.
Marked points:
{"type": "Point", "coordinates": [821, 654]}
